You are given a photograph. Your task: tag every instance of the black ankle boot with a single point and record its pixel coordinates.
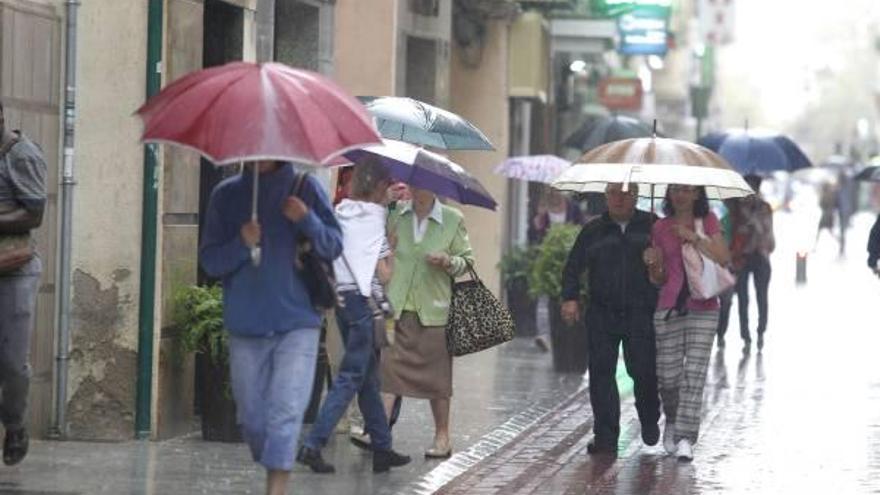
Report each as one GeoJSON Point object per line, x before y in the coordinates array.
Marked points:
{"type": "Point", "coordinates": [312, 458]}
{"type": "Point", "coordinates": [383, 460]}
{"type": "Point", "coordinates": [15, 446]}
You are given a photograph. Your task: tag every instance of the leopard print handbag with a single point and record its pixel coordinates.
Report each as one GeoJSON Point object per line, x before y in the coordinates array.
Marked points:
{"type": "Point", "coordinates": [477, 319]}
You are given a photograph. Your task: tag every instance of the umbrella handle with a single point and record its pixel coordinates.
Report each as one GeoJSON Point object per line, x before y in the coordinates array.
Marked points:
{"type": "Point", "coordinates": [256, 252]}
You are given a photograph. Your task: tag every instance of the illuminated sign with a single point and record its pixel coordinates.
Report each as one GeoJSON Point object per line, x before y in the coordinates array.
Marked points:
{"type": "Point", "coordinates": [614, 8]}
{"type": "Point", "coordinates": [621, 93]}
{"type": "Point", "coordinates": [643, 33]}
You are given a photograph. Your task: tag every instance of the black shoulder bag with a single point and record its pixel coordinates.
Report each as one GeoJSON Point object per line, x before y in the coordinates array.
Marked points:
{"type": "Point", "coordinates": [315, 272]}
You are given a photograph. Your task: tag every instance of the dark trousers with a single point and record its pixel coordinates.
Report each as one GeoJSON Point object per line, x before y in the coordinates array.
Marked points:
{"type": "Point", "coordinates": [607, 331]}
{"type": "Point", "coordinates": [726, 299]}
{"type": "Point", "coordinates": [758, 266]}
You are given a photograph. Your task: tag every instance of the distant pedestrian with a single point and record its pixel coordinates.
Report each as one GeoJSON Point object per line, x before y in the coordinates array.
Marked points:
{"type": "Point", "coordinates": [724, 211]}
{"type": "Point", "coordinates": [827, 206]}
{"type": "Point", "coordinates": [685, 326]}
{"type": "Point", "coordinates": [614, 250]}
{"type": "Point", "coordinates": [274, 328]}
{"type": "Point", "coordinates": [874, 247]}
{"type": "Point", "coordinates": [753, 243]}
{"type": "Point", "coordinates": [432, 246]}
{"type": "Point", "coordinates": [361, 271]}
{"type": "Point", "coordinates": [553, 209]}
{"type": "Point", "coordinates": [22, 203]}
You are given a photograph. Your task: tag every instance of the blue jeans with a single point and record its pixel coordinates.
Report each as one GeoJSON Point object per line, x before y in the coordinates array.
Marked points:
{"type": "Point", "coordinates": [272, 384]}
{"type": "Point", "coordinates": [358, 374]}
{"type": "Point", "coordinates": [18, 299]}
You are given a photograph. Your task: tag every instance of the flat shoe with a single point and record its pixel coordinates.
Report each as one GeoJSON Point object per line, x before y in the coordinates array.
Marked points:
{"type": "Point", "coordinates": [438, 453]}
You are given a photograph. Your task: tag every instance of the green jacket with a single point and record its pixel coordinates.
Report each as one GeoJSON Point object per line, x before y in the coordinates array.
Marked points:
{"type": "Point", "coordinates": [429, 289]}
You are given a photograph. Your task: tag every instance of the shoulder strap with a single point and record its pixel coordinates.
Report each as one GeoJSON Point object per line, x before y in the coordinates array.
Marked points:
{"type": "Point", "coordinates": [8, 146]}
{"type": "Point", "coordinates": [298, 182]}
{"type": "Point", "coordinates": [698, 223]}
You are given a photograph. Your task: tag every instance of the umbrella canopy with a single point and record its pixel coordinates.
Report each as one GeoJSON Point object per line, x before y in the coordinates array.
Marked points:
{"type": "Point", "coordinates": [653, 163]}
{"type": "Point", "coordinates": [870, 174]}
{"type": "Point", "coordinates": [413, 121]}
{"type": "Point", "coordinates": [535, 168]}
{"type": "Point", "coordinates": [427, 170]}
{"type": "Point", "coordinates": [757, 152]}
{"type": "Point", "coordinates": [244, 111]}
{"type": "Point", "coordinates": [601, 129]}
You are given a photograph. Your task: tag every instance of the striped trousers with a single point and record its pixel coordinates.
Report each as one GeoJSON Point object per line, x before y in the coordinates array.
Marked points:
{"type": "Point", "coordinates": [684, 345]}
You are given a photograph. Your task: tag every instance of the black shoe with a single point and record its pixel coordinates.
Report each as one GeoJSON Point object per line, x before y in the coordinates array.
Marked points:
{"type": "Point", "coordinates": [597, 447]}
{"type": "Point", "coordinates": [15, 446]}
{"type": "Point", "coordinates": [383, 460]}
{"type": "Point", "coordinates": [312, 458]}
{"type": "Point", "coordinates": [650, 434]}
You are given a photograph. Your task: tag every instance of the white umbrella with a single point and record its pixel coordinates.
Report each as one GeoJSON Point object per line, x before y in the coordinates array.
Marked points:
{"type": "Point", "coordinates": [653, 163]}
{"type": "Point", "coordinates": [534, 168]}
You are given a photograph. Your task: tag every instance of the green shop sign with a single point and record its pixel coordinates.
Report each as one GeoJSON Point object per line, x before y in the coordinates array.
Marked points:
{"type": "Point", "coordinates": [614, 8]}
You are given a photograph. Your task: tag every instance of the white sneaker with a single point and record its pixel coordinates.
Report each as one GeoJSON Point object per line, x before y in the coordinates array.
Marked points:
{"type": "Point", "coordinates": [669, 438]}
{"type": "Point", "coordinates": [684, 451]}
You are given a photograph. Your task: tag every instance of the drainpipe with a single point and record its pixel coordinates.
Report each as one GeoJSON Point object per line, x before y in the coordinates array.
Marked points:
{"type": "Point", "coordinates": [62, 354]}
{"type": "Point", "coordinates": [148, 234]}
{"type": "Point", "coordinates": [265, 30]}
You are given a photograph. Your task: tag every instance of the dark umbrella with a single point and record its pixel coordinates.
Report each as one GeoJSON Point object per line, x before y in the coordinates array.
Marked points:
{"type": "Point", "coordinates": [870, 174]}
{"type": "Point", "coordinates": [416, 122]}
{"type": "Point", "coordinates": [757, 152]}
{"type": "Point", "coordinates": [426, 170]}
{"type": "Point", "coordinates": [601, 129]}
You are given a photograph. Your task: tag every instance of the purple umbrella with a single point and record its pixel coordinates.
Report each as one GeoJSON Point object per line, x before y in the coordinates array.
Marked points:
{"type": "Point", "coordinates": [426, 170]}
{"type": "Point", "coordinates": [535, 168]}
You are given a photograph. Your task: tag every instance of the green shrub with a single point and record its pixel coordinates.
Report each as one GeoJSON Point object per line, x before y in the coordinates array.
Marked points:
{"type": "Point", "coordinates": [198, 314]}
{"type": "Point", "coordinates": [545, 276]}
{"type": "Point", "coordinates": [516, 264]}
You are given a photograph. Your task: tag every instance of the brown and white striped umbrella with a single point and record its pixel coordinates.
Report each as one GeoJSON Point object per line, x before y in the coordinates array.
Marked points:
{"type": "Point", "coordinates": [653, 163]}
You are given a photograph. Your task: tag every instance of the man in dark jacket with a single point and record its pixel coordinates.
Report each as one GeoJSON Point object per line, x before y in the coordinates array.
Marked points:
{"type": "Point", "coordinates": [612, 248]}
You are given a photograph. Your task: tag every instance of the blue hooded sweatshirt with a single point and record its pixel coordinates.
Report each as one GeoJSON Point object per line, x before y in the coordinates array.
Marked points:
{"type": "Point", "coordinates": [270, 298]}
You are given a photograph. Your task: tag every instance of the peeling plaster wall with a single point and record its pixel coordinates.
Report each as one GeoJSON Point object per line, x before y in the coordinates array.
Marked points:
{"type": "Point", "coordinates": [107, 219]}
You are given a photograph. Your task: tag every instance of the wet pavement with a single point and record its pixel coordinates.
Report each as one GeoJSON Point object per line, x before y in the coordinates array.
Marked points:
{"type": "Point", "coordinates": [801, 417]}
{"type": "Point", "coordinates": [496, 394]}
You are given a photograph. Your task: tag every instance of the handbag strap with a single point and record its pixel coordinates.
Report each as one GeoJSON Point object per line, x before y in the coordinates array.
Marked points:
{"type": "Point", "coordinates": [351, 272]}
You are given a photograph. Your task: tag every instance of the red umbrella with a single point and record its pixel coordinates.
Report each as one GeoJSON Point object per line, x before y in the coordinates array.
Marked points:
{"type": "Point", "coordinates": [244, 111]}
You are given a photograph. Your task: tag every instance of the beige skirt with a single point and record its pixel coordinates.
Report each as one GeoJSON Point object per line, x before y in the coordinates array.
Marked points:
{"type": "Point", "coordinates": [417, 364]}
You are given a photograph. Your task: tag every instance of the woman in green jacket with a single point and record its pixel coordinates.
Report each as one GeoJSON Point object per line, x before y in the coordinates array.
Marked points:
{"type": "Point", "coordinates": [432, 247]}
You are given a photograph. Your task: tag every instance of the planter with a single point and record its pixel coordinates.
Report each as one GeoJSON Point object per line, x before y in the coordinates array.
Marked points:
{"type": "Point", "coordinates": [217, 405]}
{"type": "Point", "coordinates": [569, 343]}
{"type": "Point", "coordinates": [522, 308]}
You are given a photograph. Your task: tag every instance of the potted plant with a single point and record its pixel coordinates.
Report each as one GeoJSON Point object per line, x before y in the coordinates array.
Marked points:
{"type": "Point", "coordinates": [515, 266]}
{"type": "Point", "coordinates": [198, 314]}
{"type": "Point", "coordinates": [569, 342]}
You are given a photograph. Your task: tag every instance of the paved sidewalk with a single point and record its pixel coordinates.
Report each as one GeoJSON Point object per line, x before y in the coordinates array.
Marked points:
{"type": "Point", "coordinates": [801, 417]}
{"type": "Point", "coordinates": [491, 389]}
